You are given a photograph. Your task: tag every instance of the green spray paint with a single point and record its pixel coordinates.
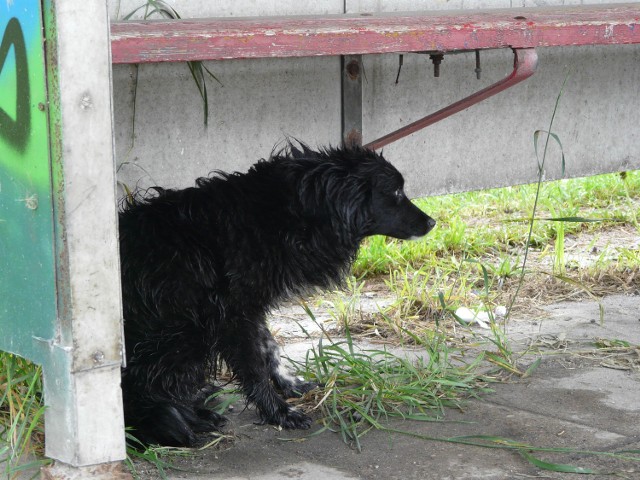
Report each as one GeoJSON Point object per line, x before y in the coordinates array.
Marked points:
{"type": "Point", "coordinates": [27, 264]}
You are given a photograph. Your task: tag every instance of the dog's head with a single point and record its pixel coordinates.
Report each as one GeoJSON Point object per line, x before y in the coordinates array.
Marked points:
{"type": "Point", "coordinates": [359, 191]}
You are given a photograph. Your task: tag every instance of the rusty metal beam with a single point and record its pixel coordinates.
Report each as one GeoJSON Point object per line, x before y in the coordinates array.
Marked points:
{"type": "Point", "coordinates": [524, 65]}
{"type": "Point", "coordinates": [356, 34]}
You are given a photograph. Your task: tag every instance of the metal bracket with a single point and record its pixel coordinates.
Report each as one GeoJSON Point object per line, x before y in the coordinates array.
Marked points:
{"type": "Point", "coordinates": [524, 65]}
{"type": "Point", "coordinates": [352, 99]}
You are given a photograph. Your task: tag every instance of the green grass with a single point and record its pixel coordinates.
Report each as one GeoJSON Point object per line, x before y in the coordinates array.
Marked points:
{"type": "Point", "coordinates": [492, 222]}
{"type": "Point", "coordinates": [21, 417]}
{"type": "Point", "coordinates": [479, 245]}
{"type": "Point", "coordinates": [160, 457]}
{"type": "Point", "coordinates": [22, 426]}
{"type": "Point", "coordinates": [364, 387]}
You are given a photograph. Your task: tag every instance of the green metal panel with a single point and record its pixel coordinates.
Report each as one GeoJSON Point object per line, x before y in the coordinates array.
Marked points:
{"type": "Point", "coordinates": [27, 264]}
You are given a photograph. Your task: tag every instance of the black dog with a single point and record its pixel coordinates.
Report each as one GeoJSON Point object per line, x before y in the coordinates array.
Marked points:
{"type": "Point", "coordinates": [201, 268]}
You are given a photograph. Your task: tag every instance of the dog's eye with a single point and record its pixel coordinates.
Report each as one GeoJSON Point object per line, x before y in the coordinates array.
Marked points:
{"type": "Point", "coordinates": [398, 193]}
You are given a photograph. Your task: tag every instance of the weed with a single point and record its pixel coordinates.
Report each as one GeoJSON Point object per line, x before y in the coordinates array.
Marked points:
{"type": "Point", "coordinates": [525, 450]}
{"type": "Point", "coordinates": [160, 457]}
{"type": "Point", "coordinates": [21, 416]}
{"type": "Point", "coordinates": [414, 295]}
{"type": "Point", "coordinates": [163, 458]}
{"type": "Point", "coordinates": [344, 304]}
{"type": "Point", "coordinates": [541, 165]}
{"type": "Point", "coordinates": [362, 387]}
{"type": "Point", "coordinates": [503, 357]}
{"type": "Point", "coordinates": [197, 69]}
{"type": "Point", "coordinates": [506, 268]}
{"type": "Point", "coordinates": [559, 260]}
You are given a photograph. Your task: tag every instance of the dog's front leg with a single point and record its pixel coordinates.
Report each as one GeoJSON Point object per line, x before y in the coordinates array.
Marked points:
{"type": "Point", "coordinates": [290, 385]}
{"type": "Point", "coordinates": [251, 362]}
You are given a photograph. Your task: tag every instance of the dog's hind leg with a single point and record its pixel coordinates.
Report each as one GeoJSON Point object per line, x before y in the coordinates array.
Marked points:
{"type": "Point", "coordinates": [165, 422]}
{"type": "Point", "coordinates": [165, 394]}
{"type": "Point", "coordinates": [251, 363]}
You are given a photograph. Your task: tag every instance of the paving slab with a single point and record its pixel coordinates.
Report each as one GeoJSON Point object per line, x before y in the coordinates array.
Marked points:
{"type": "Point", "coordinates": [583, 400]}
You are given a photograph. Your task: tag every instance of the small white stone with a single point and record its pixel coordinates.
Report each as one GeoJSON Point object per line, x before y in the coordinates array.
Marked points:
{"type": "Point", "coordinates": [467, 315]}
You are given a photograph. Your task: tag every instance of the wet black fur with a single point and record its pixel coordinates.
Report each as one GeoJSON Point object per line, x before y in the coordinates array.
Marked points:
{"type": "Point", "coordinates": [201, 268]}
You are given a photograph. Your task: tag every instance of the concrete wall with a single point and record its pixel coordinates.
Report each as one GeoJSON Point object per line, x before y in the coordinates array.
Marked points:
{"type": "Point", "coordinates": [263, 101]}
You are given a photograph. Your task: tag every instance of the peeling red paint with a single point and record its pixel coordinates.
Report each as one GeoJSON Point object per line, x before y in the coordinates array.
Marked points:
{"type": "Point", "coordinates": [222, 38]}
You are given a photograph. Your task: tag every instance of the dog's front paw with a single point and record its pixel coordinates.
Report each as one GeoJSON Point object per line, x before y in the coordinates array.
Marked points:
{"type": "Point", "coordinates": [292, 418]}
{"type": "Point", "coordinates": [295, 419]}
{"type": "Point", "coordinates": [298, 389]}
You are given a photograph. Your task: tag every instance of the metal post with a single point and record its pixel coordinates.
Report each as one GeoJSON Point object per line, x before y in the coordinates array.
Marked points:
{"type": "Point", "coordinates": [352, 99]}
{"type": "Point", "coordinates": [84, 420]}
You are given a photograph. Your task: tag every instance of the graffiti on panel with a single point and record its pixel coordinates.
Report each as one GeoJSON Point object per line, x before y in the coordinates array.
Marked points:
{"type": "Point", "coordinates": [15, 130]}
{"type": "Point", "coordinates": [27, 259]}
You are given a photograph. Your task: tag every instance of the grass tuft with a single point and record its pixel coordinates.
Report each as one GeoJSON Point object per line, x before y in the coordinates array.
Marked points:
{"type": "Point", "coordinates": [363, 387]}
{"type": "Point", "coordinates": [161, 458]}
{"type": "Point", "coordinates": [21, 417]}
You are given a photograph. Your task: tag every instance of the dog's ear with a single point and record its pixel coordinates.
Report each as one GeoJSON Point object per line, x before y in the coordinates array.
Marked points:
{"type": "Point", "coordinates": [333, 186]}
{"type": "Point", "coordinates": [345, 194]}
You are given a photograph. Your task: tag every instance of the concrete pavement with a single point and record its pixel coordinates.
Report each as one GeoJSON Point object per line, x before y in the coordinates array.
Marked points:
{"type": "Point", "coordinates": [578, 398]}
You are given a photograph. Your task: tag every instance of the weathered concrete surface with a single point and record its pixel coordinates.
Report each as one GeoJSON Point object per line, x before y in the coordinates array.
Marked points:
{"type": "Point", "coordinates": [571, 401]}
{"type": "Point", "coordinates": [105, 471]}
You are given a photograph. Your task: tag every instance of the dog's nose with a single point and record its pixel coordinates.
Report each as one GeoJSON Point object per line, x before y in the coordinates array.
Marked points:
{"type": "Point", "coordinates": [430, 224]}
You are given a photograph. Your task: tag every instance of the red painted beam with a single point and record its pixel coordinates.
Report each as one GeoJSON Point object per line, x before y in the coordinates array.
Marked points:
{"type": "Point", "coordinates": [444, 31]}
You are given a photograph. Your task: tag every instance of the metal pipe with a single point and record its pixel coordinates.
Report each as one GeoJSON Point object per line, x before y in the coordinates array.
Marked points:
{"type": "Point", "coordinates": [525, 62]}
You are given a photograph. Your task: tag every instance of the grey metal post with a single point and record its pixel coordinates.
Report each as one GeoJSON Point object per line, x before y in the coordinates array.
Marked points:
{"type": "Point", "coordinates": [84, 418]}
{"type": "Point", "coordinates": [352, 99]}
